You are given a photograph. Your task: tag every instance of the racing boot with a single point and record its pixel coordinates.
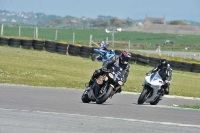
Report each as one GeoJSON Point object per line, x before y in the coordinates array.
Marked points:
{"type": "Point", "coordinates": [166, 90]}
{"type": "Point", "coordinates": [89, 83]}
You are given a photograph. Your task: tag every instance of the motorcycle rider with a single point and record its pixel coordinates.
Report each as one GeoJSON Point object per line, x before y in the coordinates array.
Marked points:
{"type": "Point", "coordinates": [121, 60]}
{"type": "Point", "coordinates": [104, 48]}
{"type": "Point", "coordinates": [165, 71]}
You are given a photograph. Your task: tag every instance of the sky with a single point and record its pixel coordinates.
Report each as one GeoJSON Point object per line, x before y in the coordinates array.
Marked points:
{"type": "Point", "coordinates": [122, 9]}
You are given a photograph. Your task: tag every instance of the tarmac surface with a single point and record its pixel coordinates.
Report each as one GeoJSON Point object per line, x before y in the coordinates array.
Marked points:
{"type": "Point", "coordinates": [56, 110]}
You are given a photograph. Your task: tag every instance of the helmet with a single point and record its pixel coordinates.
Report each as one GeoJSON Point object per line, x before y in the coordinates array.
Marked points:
{"type": "Point", "coordinates": [125, 57]}
{"type": "Point", "coordinates": [107, 44]}
{"type": "Point", "coordinates": [163, 63]}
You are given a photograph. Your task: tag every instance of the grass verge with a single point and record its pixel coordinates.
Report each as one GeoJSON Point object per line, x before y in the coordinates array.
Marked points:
{"type": "Point", "coordinates": [41, 68]}
{"type": "Point", "coordinates": [197, 106]}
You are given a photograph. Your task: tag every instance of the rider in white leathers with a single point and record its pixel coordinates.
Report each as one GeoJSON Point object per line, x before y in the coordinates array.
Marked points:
{"type": "Point", "coordinates": [165, 71]}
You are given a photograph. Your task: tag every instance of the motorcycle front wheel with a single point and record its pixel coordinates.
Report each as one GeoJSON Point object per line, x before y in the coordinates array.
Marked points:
{"type": "Point", "coordinates": [85, 97]}
{"type": "Point", "coordinates": [94, 57]}
{"type": "Point", "coordinates": [143, 96]}
{"type": "Point", "coordinates": [103, 98]}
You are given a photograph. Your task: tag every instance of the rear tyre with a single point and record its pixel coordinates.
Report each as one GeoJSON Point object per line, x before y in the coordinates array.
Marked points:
{"type": "Point", "coordinates": [156, 101]}
{"type": "Point", "coordinates": [142, 97]}
{"type": "Point", "coordinates": [85, 98]}
{"type": "Point", "coordinates": [105, 97]}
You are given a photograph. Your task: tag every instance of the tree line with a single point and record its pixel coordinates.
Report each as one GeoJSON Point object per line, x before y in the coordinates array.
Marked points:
{"type": "Point", "coordinates": [87, 23]}
{"type": "Point", "coordinates": [98, 23]}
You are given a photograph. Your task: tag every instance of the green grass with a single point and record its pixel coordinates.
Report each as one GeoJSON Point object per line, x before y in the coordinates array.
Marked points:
{"type": "Point", "coordinates": [137, 39]}
{"type": "Point", "coordinates": [41, 68]}
{"type": "Point", "coordinates": [197, 106]}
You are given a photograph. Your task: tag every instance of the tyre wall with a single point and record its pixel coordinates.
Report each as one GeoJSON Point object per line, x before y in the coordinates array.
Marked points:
{"type": "Point", "coordinates": [85, 52]}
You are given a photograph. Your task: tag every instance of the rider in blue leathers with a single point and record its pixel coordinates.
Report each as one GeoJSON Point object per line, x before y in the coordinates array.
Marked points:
{"type": "Point", "coordinates": [104, 48]}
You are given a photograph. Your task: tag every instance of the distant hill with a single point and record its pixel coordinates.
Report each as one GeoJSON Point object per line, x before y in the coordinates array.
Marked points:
{"type": "Point", "coordinates": [29, 18]}
{"type": "Point", "coordinates": [41, 19]}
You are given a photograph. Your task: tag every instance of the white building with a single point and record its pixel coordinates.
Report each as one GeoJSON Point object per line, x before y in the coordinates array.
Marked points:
{"type": "Point", "coordinates": [13, 20]}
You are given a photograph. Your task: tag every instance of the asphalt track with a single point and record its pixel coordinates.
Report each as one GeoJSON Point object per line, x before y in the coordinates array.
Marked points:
{"type": "Point", "coordinates": [26, 109]}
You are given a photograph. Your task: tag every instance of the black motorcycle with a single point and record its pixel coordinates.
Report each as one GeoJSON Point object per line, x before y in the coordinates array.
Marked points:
{"type": "Point", "coordinates": [105, 86]}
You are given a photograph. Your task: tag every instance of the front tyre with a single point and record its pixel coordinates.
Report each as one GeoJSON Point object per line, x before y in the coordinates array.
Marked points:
{"type": "Point", "coordinates": [85, 98]}
{"type": "Point", "coordinates": [143, 96]}
{"type": "Point", "coordinates": [94, 57]}
{"type": "Point", "coordinates": [105, 96]}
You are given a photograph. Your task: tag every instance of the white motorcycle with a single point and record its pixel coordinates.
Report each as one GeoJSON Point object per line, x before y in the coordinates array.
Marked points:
{"type": "Point", "coordinates": [152, 89]}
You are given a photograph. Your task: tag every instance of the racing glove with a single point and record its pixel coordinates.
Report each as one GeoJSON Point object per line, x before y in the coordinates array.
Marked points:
{"type": "Point", "coordinates": [147, 74]}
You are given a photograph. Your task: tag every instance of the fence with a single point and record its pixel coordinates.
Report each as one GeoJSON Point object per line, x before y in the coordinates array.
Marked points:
{"type": "Point", "coordinates": [36, 32]}
{"type": "Point", "coordinates": [31, 32]}
{"type": "Point", "coordinates": [184, 54]}
{"type": "Point", "coordinates": [116, 44]}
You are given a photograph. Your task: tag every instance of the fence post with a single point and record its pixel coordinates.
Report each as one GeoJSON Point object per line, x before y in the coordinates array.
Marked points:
{"type": "Point", "coordinates": [113, 39]}
{"type": "Point", "coordinates": [56, 35]}
{"type": "Point", "coordinates": [19, 31]}
{"type": "Point", "coordinates": [36, 31]}
{"type": "Point", "coordinates": [2, 30]}
{"type": "Point", "coordinates": [158, 50]}
{"type": "Point", "coordinates": [90, 43]}
{"type": "Point", "coordinates": [73, 37]}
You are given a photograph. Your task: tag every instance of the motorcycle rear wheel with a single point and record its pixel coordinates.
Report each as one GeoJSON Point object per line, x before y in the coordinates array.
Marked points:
{"type": "Point", "coordinates": [85, 97]}
{"type": "Point", "coordinates": [142, 97]}
{"type": "Point", "coordinates": [156, 101]}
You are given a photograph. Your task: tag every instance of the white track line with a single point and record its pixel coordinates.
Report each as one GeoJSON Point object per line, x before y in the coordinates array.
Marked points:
{"type": "Point", "coordinates": [111, 118]}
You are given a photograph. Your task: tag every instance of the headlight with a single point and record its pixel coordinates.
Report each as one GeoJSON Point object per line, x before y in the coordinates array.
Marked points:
{"type": "Point", "coordinates": [120, 82]}
{"type": "Point", "coordinates": [111, 75]}
{"type": "Point", "coordinates": [100, 80]}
